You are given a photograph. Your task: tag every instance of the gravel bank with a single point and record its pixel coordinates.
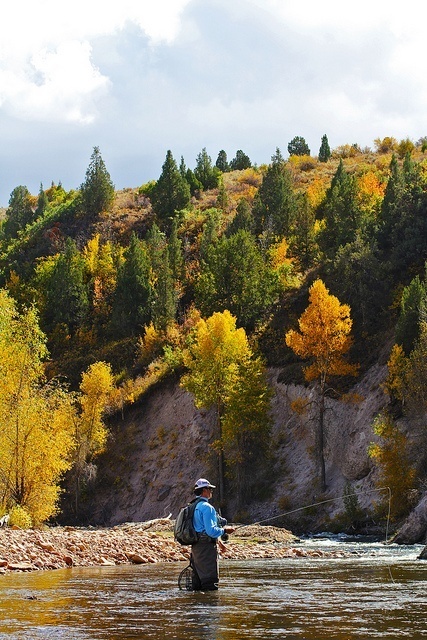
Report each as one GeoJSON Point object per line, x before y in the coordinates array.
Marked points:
{"type": "Point", "coordinates": [130, 543]}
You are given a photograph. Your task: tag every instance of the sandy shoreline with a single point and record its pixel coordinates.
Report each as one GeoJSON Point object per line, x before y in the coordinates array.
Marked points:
{"type": "Point", "coordinates": [130, 543]}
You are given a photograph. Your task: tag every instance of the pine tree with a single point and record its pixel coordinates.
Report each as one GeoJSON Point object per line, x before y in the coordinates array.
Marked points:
{"type": "Point", "coordinates": [97, 190]}
{"type": "Point", "coordinates": [413, 310]}
{"type": "Point", "coordinates": [170, 194]}
{"type": "Point", "coordinates": [42, 202]}
{"type": "Point", "coordinates": [176, 255]}
{"type": "Point", "coordinates": [19, 213]}
{"type": "Point", "coordinates": [132, 298]}
{"type": "Point", "coordinates": [275, 205]}
{"type": "Point", "coordinates": [298, 147]}
{"type": "Point", "coordinates": [324, 151]}
{"type": "Point", "coordinates": [205, 173]}
{"type": "Point", "coordinates": [243, 218]}
{"type": "Point", "coordinates": [221, 162]}
{"type": "Point", "coordinates": [67, 296]}
{"type": "Point", "coordinates": [341, 212]}
{"type": "Point", "coordinates": [240, 161]}
{"type": "Point", "coordinates": [163, 299]}
{"type": "Point", "coordinates": [391, 208]}
{"type": "Point", "coordinates": [235, 276]}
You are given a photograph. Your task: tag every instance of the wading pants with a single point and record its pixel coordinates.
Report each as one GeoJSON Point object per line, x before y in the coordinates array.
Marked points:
{"type": "Point", "coordinates": [204, 558]}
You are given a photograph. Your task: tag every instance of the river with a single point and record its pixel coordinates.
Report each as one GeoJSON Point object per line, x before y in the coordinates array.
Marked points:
{"type": "Point", "coordinates": [377, 592]}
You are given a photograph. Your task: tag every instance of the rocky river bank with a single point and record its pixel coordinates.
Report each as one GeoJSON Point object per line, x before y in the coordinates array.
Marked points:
{"type": "Point", "coordinates": [131, 543]}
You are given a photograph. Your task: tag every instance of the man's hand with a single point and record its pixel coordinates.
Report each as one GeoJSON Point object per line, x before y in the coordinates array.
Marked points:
{"type": "Point", "coordinates": [229, 529]}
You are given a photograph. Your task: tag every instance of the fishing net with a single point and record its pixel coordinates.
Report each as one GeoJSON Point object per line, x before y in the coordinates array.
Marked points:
{"type": "Point", "coordinates": [185, 580]}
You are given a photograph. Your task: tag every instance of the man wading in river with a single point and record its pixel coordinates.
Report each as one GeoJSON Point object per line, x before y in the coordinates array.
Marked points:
{"type": "Point", "coordinates": [210, 527]}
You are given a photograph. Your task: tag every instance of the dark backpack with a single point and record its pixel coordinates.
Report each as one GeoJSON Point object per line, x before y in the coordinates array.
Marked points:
{"type": "Point", "coordinates": [184, 531]}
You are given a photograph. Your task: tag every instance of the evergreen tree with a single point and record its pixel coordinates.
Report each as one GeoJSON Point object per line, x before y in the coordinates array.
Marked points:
{"type": "Point", "coordinates": [221, 162]}
{"type": "Point", "coordinates": [275, 205]}
{"type": "Point", "coordinates": [413, 311]}
{"type": "Point", "coordinates": [298, 147]}
{"type": "Point", "coordinates": [163, 299]}
{"type": "Point", "coordinates": [67, 296]}
{"type": "Point", "coordinates": [19, 213]}
{"type": "Point", "coordinates": [391, 207]}
{"type": "Point", "coordinates": [240, 161]}
{"type": "Point", "coordinates": [210, 232]}
{"type": "Point", "coordinates": [407, 240]}
{"type": "Point", "coordinates": [243, 218]}
{"type": "Point", "coordinates": [42, 202]}
{"type": "Point", "coordinates": [341, 213]}
{"type": "Point", "coordinates": [361, 280]}
{"type": "Point", "coordinates": [170, 194]}
{"type": "Point", "coordinates": [183, 168]}
{"type": "Point", "coordinates": [97, 190]}
{"type": "Point", "coordinates": [205, 173]}
{"type": "Point", "coordinates": [194, 184]}
{"type": "Point", "coordinates": [234, 276]}
{"type": "Point", "coordinates": [175, 254]}
{"type": "Point", "coordinates": [132, 297]}
{"type": "Point", "coordinates": [303, 240]}
{"type": "Point", "coordinates": [222, 197]}
{"type": "Point", "coordinates": [324, 151]}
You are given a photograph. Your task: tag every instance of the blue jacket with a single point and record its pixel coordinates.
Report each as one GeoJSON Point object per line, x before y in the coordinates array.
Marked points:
{"type": "Point", "coordinates": [206, 519]}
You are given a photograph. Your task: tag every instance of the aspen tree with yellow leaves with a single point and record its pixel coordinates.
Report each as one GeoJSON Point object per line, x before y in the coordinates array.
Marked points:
{"type": "Point", "coordinates": [90, 432]}
{"type": "Point", "coordinates": [219, 362]}
{"type": "Point", "coordinates": [35, 419]}
{"type": "Point", "coordinates": [323, 338]}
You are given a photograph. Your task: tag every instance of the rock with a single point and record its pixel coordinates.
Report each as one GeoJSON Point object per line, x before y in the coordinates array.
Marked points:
{"type": "Point", "coordinates": [21, 566]}
{"type": "Point", "coordinates": [423, 554]}
{"type": "Point", "coordinates": [136, 558]}
{"type": "Point", "coordinates": [68, 560]}
{"type": "Point", "coordinates": [46, 546]}
{"type": "Point", "coordinates": [415, 526]}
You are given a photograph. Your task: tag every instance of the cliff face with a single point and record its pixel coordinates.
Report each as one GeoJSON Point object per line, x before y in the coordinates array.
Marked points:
{"type": "Point", "coordinates": [160, 447]}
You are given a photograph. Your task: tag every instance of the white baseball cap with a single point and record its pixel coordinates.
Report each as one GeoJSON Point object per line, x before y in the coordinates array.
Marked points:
{"type": "Point", "coordinates": [202, 482]}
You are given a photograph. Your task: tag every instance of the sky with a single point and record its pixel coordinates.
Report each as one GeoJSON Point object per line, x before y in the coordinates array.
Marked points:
{"type": "Point", "coordinates": [137, 78]}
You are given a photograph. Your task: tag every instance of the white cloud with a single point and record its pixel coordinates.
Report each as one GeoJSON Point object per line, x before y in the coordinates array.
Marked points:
{"type": "Point", "coordinates": [54, 85]}
{"type": "Point", "coordinates": [138, 77]}
{"type": "Point", "coordinates": [46, 68]}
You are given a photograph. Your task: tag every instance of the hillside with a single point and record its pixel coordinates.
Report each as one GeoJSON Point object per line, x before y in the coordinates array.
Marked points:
{"type": "Point", "coordinates": [160, 447]}
{"type": "Point", "coordinates": [124, 278]}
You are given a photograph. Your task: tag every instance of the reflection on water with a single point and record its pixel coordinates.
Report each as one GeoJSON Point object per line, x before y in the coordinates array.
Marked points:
{"type": "Point", "coordinates": [379, 592]}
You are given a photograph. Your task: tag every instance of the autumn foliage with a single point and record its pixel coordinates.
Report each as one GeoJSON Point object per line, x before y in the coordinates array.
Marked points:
{"type": "Point", "coordinates": [323, 336]}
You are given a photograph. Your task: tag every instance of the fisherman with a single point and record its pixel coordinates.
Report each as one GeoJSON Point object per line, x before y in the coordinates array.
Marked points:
{"type": "Point", "coordinates": [211, 527]}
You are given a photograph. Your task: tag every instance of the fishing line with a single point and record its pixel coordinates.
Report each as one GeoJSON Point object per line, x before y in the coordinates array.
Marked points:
{"type": "Point", "coordinates": [315, 504]}
{"type": "Point", "coordinates": [185, 576]}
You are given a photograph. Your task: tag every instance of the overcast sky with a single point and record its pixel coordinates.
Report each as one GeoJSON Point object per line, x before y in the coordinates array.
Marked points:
{"type": "Point", "coordinates": [139, 77]}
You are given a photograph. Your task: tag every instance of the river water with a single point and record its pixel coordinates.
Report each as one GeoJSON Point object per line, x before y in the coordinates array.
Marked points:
{"type": "Point", "coordinates": [378, 592]}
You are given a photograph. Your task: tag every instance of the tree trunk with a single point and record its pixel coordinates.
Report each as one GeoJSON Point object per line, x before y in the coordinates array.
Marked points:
{"type": "Point", "coordinates": [321, 440]}
{"type": "Point", "coordinates": [220, 457]}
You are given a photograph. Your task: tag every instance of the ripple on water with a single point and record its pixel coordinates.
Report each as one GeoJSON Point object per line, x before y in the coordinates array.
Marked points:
{"type": "Point", "coordinates": [380, 593]}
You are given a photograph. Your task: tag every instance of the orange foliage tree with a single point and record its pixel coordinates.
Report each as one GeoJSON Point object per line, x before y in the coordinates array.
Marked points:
{"type": "Point", "coordinates": [324, 338]}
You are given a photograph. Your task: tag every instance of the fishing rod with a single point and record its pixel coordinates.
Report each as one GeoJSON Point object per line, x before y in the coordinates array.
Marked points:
{"type": "Point", "coordinates": [186, 576]}
{"type": "Point", "coordinates": [315, 504]}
